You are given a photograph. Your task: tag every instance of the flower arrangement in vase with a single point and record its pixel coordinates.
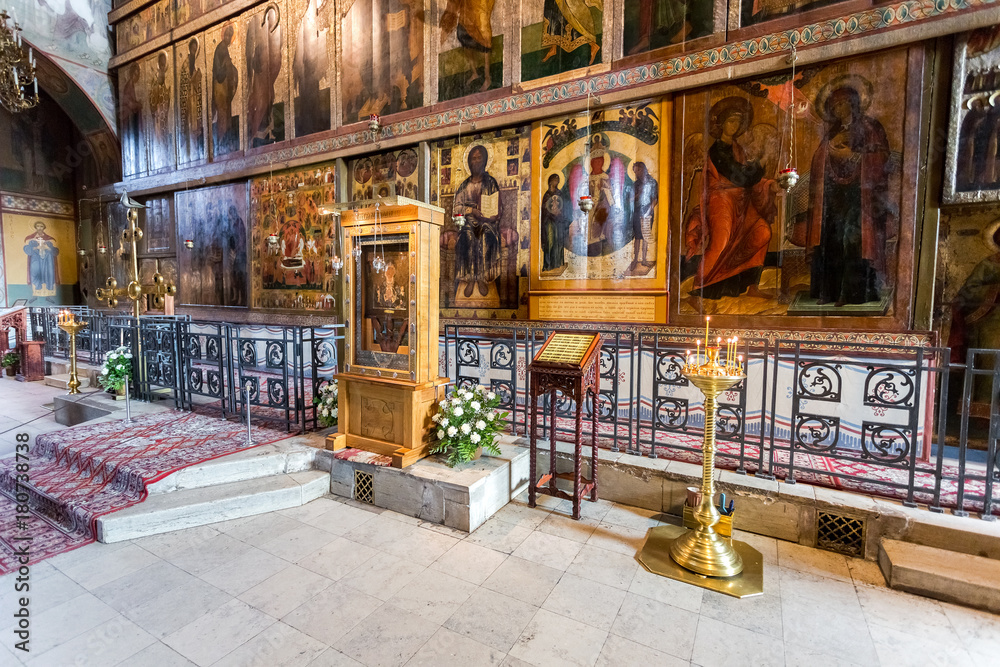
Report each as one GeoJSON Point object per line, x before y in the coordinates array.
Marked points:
{"type": "Point", "coordinates": [326, 404]}
{"type": "Point", "coordinates": [117, 366]}
{"type": "Point", "coordinates": [468, 423]}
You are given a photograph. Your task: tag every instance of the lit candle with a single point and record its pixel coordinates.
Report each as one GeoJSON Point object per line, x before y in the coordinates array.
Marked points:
{"type": "Point", "coordinates": [734, 350]}
{"type": "Point", "coordinates": [697, 352]}
{"type": "Point", "coordinates": [706, 331]}
{"type": "Point", "coordinates": [740, 358]}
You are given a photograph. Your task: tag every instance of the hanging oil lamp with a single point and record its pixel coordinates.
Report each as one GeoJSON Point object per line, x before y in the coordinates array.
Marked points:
{"type": "Point", "coordinates": [586, 202]}
{"type": "Point", "coordinates": [789, 175]}
{"type": "Point", "coordinates": [459, 220]}
{"type": "Point", "coordinates": [374, 124]}
{"type": "Point", "coordinates": [272, 241]}
{"type": "Point", "coordinates": [189, 243]}
{"type": "Point", "coordinates": [337, 263]}
{"type": "Point", "coordinates": [101, 248]}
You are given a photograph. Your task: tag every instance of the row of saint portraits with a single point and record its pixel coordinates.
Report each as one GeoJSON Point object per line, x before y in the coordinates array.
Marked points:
{"type": "Point", "coordinates": [271, 74]}
{"type": "Point", "coordinates": [684, 198]}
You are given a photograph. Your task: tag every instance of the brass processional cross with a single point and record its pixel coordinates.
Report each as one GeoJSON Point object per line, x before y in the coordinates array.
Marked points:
{"type": "Point", "coordinates": [134, 290]}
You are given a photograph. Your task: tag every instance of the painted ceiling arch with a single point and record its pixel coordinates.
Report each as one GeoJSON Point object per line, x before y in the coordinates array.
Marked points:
{"type": "Point", "coordinates": [73, 36]}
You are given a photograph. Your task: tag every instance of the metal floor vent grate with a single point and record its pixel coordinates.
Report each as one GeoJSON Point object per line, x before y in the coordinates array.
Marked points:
{"type": "Point", "coordinates": [841, 533]}
{"type": "Point", "coordinates": [364, 487]}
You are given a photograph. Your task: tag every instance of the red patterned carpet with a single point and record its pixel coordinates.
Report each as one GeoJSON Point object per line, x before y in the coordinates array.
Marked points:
{"type": "Point", "coordinates": [79, 474]}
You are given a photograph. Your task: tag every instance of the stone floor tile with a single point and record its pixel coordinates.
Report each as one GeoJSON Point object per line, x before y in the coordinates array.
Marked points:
{"type": "Point", "coordinates": [542, 501]}
{"type": "Point", "coordinates": [718, 643]}
{"type": "Point", "coordinates": [261, 527]}
{"type": "Point", "coordinates": [837, 595]}
{"type": "Point", "coordinates": [310, 510]}
{"type": "Point", "coordinates": [902, 649]}
{"type": "Point", "coordinates": [84, 553]}
{"type": "Point", "coordinates": [340, 519]}
{"type": "Point", "coordinates": [803, 656]}
{"type": "Point", "coordinates": [383, 575]}
{"type": "Point", "coordinates": [556, 552]}
{"type": "Point", "coordinates": [760, 613]}
{"type": "Point", "coordinates": [565, 526]}
{"type": "Point", "coordinates": [282, 592]}
{"type": "Point", "coordinates": [137, 587]}
{"type": "Point", "coordinates": [499, 535]}
{"type": "Point", "coordinates": [978, 630]}
{"type": "Point", "coordinates": [168, 545]}
{"type": "Point", "coordinates": [219, 549]}
{"type": "Point", "coordinates": [492, 618]}
{"type": "Point", "coordinates": [114, 641]}
{"type": "Point", "coordinates": [298, 542]}
{"type": "Point", "coordinates": [825, 632]}
{"type": "Point", "coordinates": [767, 546]}
{"type": "Point", "coordinates": [619, 652]}
{"type": "Point", "coordinates": [333, 658]}
{"type": "Point", "coordinates": [47, 593]}
{"type": "Point", "coordinates": [68, 620]}
{"type": "Point", "coordinates": [245, 571]}
{"type": "Point", "coordinates": [511, 661]}
{"type": "Point", "coordinates": [595, 511]}
{"type": "Point", "coordinates": [614, 537]}
{"type": "Point", "coordinates": [813, 561]}
{"type": "Point", "coordinates": [605, 567]}
{"type": "Point", "coordinates": [914, 615]}
{"type": "Point", "coordinates": [450, 649]}
{"type": "Point", "coordinates": [331, 614]}
{"type": "Point", "coordinates": [337, 558]}
{"type": "Point", "coordinates": [433, 595]}
{"type": "Point", "coordinates": [585, 601]}
{"type": "Point", "coordinates": [160, 655]}
{"type": "Point", "coordinates": [524, 580]}
{"type": "Point", "coordinates": [666, 590]}
{"type": "Point", "coordinates": [176, 607]}
{"type": "Point", "coordinates": [389, 637]}
{"type": "Point", "coordinates": [632, 517]}
{"type": "Point", "coordinates": [421, 546]}
{"type": "Point", "coordinates": [657, 625]}
{"type": "Point", "coordinates": [520, 514]}
{"type": "Point", "coordinates": [277, 646]}
{"type": "Point", "coordinates": [214, 635]}
{"type": "Point", "coordinates": [105, 568]}
{"type": "Point", "coordinates": [551, 640]}
{"type": "Point", "coordinates": [469, 562]}
{"type": "Point", "coordinates": [866, 573]}
{"type": "Point", "coordinates": [380, 531]}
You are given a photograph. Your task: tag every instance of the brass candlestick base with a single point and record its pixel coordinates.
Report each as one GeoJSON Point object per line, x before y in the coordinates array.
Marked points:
{"type": "Point", "coordinates": [702, 550]}
{"type": "Point", "coordinates": [72, 327]}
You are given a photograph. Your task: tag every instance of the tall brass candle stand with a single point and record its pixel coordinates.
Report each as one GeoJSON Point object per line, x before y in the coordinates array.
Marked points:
{"type": "Point", "coordinates": [701, 556]}
{"type": "Point", "coordinates": [72, 326]}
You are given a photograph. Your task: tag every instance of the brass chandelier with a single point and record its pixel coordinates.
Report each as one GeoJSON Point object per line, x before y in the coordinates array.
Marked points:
{"type": "Point", "coordinates": [17, 72]}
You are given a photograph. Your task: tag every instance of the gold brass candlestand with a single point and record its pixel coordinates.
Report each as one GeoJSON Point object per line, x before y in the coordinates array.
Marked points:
{"type": "Point", "coordinates": [701, 556]}
{"type": "Point", "coordinates": [68, 323]}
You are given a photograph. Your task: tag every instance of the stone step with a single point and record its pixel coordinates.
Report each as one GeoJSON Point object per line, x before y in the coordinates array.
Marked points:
{"type": "Point", "coordinates": [278, 458]}
{"type": "Point", "coordinates": [166, 512]}
{"type": "Point", "coordinates": [61, 380]}
{"type": "Point", "coordinates": [973, 581]}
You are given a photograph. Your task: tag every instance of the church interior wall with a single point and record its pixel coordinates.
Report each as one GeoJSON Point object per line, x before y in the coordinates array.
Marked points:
{"type": "Point", "coordinates": [264, 106]}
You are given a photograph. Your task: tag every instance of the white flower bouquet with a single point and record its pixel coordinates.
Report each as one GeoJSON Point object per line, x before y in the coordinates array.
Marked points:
{"type": "Point", "coordinates": [326, 404]}
{"type": "Point", "coordinates": [466, 421]}
{"type": "Point", "coordinates": [117, 366]}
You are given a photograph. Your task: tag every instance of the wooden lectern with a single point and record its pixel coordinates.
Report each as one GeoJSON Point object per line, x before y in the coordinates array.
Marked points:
{"type": "Point", "coordinates": [389, 387]}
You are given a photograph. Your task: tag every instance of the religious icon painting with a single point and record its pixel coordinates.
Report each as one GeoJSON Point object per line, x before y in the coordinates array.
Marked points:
{"type": "Point", "coordinates": [839, 243]}
{"type": "Point", "coordinates": [39, 255]}
{"type": "Point", "coordinates": [312, 53]}
{"type": "Point", "coordinates": [751, 13]}
{"type": "Point", "coordinates": [223, 54]}
{"type": "Point", "coordinates": [157, 224]}
{"type": "Point", "coordinates": [650, 25]}
{"type": "Point", "coordinates": [382, 57]}
{"type": "Point", "coordinates": [293, 245]}
{"type": "Point", "coordinates": [561, 35]}
{"type": "Point", "coordinates": [389, 174]}
{"type": "Point", "coordinates": [471, 35]}
{"type": "Point", "coordinates": [213, 272]}
{"type": "Point", "coordinates": [972, 174]}
{"type": "Point", "coordinates": [158, 120]}
{"type": "Point", "coordinates": [189, 10]}
{"type": "Point", "coordinates": [193, 92]}
{"type": "Point", "coordinates": [144, 25]}
{"type": "Point", "coordinates": [484, 260]}
{"type": "Point", "coordinates": [132, 105]}
{"type": "Point", "coordinates": [598, 209]}
{"type": "Point", "coordinates": [265, 73]}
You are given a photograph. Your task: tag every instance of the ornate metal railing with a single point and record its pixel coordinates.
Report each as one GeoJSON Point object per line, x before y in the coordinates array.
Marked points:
{"type": "Point", "coordinates": [898, 421]}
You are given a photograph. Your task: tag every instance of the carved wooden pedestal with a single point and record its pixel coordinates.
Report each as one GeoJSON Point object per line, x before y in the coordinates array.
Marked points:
{"type": "Point", "coordinates": [32, 360]}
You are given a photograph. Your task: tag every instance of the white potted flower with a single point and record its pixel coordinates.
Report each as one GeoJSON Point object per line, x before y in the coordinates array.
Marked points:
{"type": "Point", "coordinates": [117, 366]}
{"type": "Point", "coordinates": [467, 423]}
{"type": "Point", "coordinates": [326, 404]}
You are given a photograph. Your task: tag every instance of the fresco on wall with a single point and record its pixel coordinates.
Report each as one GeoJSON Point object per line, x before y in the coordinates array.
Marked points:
{"type": "Point", "coordinates": [40, 258]}
{"type": "Point", "coordinates": [388, 174]}
{"type": "Point", "coordinates": [132, 105]}
{"type": "Point", "coordinates": [471, 35]}
{"type": "Point", "coordinates": [654, 24]}
{"type": "Point", "coordinates": [560, 35]}
{"type": "Point", "coordinates": [972, 170]}
{"type": "Point", "coordinates": [32, 149]}
{"type": "Point", "coordinates": [382, 63]}
{"type": "Point", "coordinates": [836, 244]}
{"type": "Point", "coordinates": [752, 12]}
{"type": "Point", "coordinates": [158, 121]}
{"type": "Point", "coordinates": [621, 241]}
{"type": "Point", "coordinates": [266, 74]}
{"type": "Point", "coordinates": [293, 245]}
{"type": "Point", "coordinates": [192, 110]}
{"type": "Point", "coordinates": [214, 271]}
{"type": "Point", "coordinates": [225, 49]}
{"type": "Point", "coordinates": [145, 25]}
{"type": "Point", "coordinates": [484, 263]}
{"type": "Point", "coordinates": [313, 53]}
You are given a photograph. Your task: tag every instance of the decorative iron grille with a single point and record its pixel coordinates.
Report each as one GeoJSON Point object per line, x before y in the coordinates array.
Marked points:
{"type": "Point", "coordinates": [841, 533]}
{"type": "Point", "coordinates": [364, 487]}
